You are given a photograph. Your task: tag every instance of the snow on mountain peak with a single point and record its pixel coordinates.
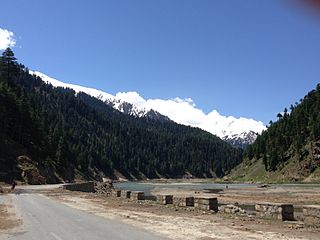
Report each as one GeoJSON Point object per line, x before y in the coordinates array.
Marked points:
{"type": "Point", "coordinates": [183, 111]}
{"type": "Point", "coordinates": [91, 91]}
{"type": "Point", "coordinates": [131, 97]}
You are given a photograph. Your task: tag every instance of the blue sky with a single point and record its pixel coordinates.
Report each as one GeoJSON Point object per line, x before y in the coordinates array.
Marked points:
{"type": "Point", "coordinates": [243, 58]}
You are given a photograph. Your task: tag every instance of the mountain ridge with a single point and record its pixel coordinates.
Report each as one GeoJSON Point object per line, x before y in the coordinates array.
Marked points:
{"type": "Point", "coordinates": [237, 131]}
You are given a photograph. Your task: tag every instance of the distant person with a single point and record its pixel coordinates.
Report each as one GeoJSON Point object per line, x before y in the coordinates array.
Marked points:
{"type": "Point", "coordinates": [13, 186]}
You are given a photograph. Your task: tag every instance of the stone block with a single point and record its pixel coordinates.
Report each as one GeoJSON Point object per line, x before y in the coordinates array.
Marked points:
{"type": "Point", "coordinates": [284, 212]}
{"type": "Point", "coordinates": [311, 215]}
{"type": "Point", "coordinates": [136, 195]}
{"type": "Point", "coordinates": [165, 199]}
{"type": "Point", "coordinates": [125, 194]}
{"type": "Point", "coordinates": [206, 203]}
{"type": "Point", "coordinates": [116, 193]}
{"type": "Point", "coordinates": [183, 201]}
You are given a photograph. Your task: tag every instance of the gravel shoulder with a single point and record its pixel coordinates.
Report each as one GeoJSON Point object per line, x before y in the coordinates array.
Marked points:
{"type": "Point", "coordinates": [8, 216]}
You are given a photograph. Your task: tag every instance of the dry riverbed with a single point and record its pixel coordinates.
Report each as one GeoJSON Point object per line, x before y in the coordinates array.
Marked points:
{"type": "Point", "coordinates": [187, 223]}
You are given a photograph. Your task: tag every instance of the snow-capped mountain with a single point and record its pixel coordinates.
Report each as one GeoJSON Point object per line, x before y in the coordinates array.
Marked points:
{"type": "Point", "coordinates": [237, 131]}
{"type": "Point", "coordinates": [133, 110]}
{"type": "Point", "coordinates": [241, 140]}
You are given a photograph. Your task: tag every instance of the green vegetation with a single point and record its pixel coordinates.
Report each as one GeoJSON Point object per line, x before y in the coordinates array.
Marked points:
{"type": "Point", "coordinates": [289, 150]}
{"type": "Point", "coordinates": [67, 135]}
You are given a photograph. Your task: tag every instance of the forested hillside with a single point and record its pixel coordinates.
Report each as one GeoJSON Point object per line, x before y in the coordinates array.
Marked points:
{"type": "Point", "coordinates": [67, 135]}
{"type": "Point", "coordinates": [289, 147]}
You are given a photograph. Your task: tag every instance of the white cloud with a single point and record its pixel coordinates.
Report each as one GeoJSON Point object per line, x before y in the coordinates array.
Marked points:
{"type": "Point", "coordinates": [6, 39]}
{"type": "Point", "coordinates": [184, 111]}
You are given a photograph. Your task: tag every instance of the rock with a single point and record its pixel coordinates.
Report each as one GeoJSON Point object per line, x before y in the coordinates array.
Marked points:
{"type": "Point", "coordinates": [232, 209]}
{"type": "Point", "coordinates": [29, 171]}
{"type": "Point", "coordinates": [34, 177]}
{"type": "Point", "coordinates": [104, 187]}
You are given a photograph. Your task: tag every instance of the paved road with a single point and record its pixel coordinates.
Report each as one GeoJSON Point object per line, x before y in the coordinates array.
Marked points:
{"type": "Point", "coordinates": [47, 219]}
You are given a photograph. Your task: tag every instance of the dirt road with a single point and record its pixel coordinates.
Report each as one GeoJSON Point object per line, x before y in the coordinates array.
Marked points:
{"type": "Point", "coordinates": [48, 219]}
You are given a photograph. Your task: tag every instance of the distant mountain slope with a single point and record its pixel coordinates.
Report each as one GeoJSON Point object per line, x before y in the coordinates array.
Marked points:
{"type": "Point", "coordinates": [237, 131]}
{"type": "Point", "coordinates": [57, 133]}
{"type": "Point", "coordinates": [290, 149]}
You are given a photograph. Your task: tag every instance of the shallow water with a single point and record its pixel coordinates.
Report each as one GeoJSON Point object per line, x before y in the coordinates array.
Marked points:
{"type": "Point", "coordinates": [147, 187]}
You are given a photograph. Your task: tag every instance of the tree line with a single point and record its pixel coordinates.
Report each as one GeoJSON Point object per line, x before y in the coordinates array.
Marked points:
{"type": "Point", "coordinates": [76, 133]}
{"type": "Point", "coordinates": [288, 136]}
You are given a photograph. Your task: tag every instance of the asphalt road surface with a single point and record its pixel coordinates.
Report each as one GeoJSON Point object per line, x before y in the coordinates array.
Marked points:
{"type": "Point", "coordinates": [46, 219]}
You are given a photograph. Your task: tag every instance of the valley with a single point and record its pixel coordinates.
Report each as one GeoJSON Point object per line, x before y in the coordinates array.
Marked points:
{"type": "Point", "coordinates": [159, 120]}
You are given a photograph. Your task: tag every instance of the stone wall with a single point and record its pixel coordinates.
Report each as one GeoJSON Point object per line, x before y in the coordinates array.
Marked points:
{"type": "Point", "coordinates": [275, 210]}
{"type": "Point", "coordinates": [206, 203]}
{"type": "Point", "coordinates": [311, 215]}
{"type": "Point", "coordinates": [81, 187]}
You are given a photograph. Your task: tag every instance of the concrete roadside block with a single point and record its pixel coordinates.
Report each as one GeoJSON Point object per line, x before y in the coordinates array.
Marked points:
{"type": "Point", "coordinates": [206, 203]}
{"type": "Point", "coordinates": [183, 201]}
{"type": "Point", "coordinates": [165, 199]}
{"type": "Point", "coordinates": [125, 194]}
{"type": "Point", "coordinates": [280, 211]}
{"type": "Point", "coordinates": [311, 215]}
{"type": "Point", "coordinates": [137, 195]}
{"type": "Point", "coordinates": [116, 193]}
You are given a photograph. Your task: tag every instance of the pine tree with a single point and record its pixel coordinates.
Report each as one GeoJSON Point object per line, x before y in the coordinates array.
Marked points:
{"type": "Point", "coordinates": [8, 63]}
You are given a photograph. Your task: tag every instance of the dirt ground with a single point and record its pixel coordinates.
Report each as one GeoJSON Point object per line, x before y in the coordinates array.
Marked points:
{"type": "Point", "coordinates": [187, 223]}
{"type": "Point", "coordinates": [8, 218]}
